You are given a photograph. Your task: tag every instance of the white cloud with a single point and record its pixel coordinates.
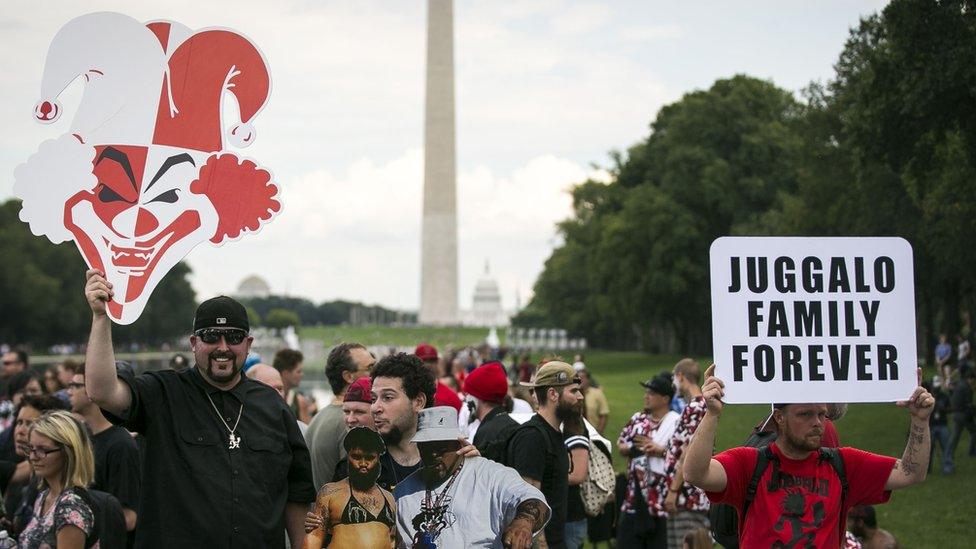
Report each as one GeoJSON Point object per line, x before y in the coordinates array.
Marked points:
{"type": "Point", "coordinates": [581, 19]}
{"type": "Point", "coordinates": [647, 33]}
{"type": "Point", "coordinates": [357, 234]}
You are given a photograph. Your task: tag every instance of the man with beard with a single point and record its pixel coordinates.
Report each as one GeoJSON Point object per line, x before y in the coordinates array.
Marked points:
{"type": "Point", "coordinates": [800, 498]}
{"type": "Point", "coordinates": [456, 501]}
{"type": "Point", "coordinates": [227, 464]}
{"type": "Point", "coordinates": [537, 450]}
{"type": "Point", "coordinates": [355, 512]}
{"type": "Point", "coordinates": [401, 388]}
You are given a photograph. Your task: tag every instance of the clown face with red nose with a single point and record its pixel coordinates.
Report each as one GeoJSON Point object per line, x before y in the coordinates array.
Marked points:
{"type": "Point", "coordinates": [142, 176]}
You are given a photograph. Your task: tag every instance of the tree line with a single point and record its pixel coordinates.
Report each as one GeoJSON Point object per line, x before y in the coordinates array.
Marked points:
{"type": "Point", "coordinates": [276, 311]}
{"type": "Point", "coordinates": [886, 147]}
{"type": "Point", "coordinates": [42, 294]}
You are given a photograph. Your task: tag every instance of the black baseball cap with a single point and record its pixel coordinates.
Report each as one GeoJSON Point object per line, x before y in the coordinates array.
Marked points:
{"type": "Point", "coordinates": [221, 312]}
{"type": "Point", "coordinates": [660, 384]}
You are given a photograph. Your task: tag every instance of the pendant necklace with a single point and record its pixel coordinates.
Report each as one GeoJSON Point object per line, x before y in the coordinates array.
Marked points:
{"type": "Point", "coordinates": [435, 512]}
{"type": "Point", "coordinates": [234, 440]}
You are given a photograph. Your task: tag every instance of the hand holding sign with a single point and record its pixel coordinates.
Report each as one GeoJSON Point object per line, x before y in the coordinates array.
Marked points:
{"type": "Point", "coordinates": [813, 319]}
{"type": "Point", "coordinates": [921, 403]}
{"type": "Point", "coordinates": [713, 390]}
{"type": "Point", "coordinates": [98, 291]}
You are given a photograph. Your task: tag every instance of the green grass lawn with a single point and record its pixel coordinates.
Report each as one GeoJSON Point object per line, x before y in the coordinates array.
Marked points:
{"type": "Point", "coordinates": [938, 513]}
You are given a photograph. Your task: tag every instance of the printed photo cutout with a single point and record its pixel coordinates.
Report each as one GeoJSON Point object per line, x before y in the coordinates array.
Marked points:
{"type": "Point", "coordinates": [356, 512]}
{"type": "Point", "coordinates": [143, 174]}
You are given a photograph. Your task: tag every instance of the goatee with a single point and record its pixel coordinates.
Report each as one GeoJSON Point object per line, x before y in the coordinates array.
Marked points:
{"type": "Point", "coordinates": [220, 378]}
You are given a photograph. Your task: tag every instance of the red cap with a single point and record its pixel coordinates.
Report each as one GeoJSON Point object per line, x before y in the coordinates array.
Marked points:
{"type": "Point", "coordinates": [425, 352]}
{"type": "Point", "coordinates": [360, 391]}
{"type": "Point", "coordinates": [487, 382]}
{"type": "Point", "coordinates": [445, 396]}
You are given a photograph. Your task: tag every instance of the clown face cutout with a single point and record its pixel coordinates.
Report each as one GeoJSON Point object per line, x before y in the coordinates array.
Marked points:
{"type": "Point", "coordinates": [141, 178]}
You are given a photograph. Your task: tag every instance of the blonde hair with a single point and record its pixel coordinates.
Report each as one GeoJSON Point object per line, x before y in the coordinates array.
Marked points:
{"type": "Point", "coordinates": [68, 432]}
{"type": "Point", "coordinates": [699, 538]}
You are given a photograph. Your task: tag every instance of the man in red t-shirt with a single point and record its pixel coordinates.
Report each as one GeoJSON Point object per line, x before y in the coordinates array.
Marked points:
{"type": "Point", "coordinates": [798, 499]}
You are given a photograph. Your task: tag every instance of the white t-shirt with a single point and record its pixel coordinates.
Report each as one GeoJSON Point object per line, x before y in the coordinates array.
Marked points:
{"type": "Point", "coordinates": [478, 507]}
{"type": "Point", "coordinates": [520, 406]}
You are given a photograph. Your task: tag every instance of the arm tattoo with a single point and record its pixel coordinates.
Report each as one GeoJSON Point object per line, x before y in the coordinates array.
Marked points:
{"type": "Point", "coordinates": [534, 511]}
{"type": "Point", "coordinates": [910, 464]}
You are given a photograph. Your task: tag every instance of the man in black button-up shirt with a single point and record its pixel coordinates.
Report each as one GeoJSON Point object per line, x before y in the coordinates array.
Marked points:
{"type": "Point", "coordinates": [226, 465]}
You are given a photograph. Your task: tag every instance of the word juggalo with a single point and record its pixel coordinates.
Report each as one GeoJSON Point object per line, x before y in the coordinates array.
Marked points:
{"type": "Point", "coordinates": [141, 177]}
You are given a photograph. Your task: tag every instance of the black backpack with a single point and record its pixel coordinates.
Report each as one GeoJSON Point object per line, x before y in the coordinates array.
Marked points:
{"type": "Point", "coordinates": [109, 529]}
{"type": "Point", "coordinates": [497, 449]}
{"type": "Point", "coordinates": [724, 518]}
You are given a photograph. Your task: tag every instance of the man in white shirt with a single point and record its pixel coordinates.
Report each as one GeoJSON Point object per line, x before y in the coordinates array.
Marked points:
{"type": "Point", "coordinates": [457, 501]}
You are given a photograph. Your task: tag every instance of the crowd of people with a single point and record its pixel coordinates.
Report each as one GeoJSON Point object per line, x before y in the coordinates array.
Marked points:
{"type": "Point", "coordinates": [418, 450]}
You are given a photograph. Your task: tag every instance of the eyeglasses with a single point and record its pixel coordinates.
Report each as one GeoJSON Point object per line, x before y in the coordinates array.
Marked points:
{"type": "Point", "coordinates": [10, 362]}
{"type": "Point", "coordinates": [73, 385]}
{"type": "Point", "coordinates": [41, 453]}
{"type": "Point", "coordinates": [213, 335]}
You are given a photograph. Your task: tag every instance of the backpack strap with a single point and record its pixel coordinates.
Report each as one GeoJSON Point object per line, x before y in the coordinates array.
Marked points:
{"type": "Point", "coordinates": [86, 496]}
{"type": "Point", "coordinates": [765, 455]}
{"type": "Point", "coordinates": [836, 460]}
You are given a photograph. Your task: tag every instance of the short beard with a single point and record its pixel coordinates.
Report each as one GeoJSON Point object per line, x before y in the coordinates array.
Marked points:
{"type": "Point", "coordinates": [802, 443]}
{"type": "Point", "coordinates": [392, 438]}
{"type": "Point", "coordinates": [366, 481]}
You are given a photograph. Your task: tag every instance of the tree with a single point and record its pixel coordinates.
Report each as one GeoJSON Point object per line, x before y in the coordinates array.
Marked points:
{"type": "Point", "coordinates": [280, 319]}
{"type": "Point", "coordinates": [633, 269]}
{"type": "Point", "coordinates": [42, 298]}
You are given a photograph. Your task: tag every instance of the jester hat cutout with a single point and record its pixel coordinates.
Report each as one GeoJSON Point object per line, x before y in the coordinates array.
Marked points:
{"type": "Point", "coordinates": [142, 176]}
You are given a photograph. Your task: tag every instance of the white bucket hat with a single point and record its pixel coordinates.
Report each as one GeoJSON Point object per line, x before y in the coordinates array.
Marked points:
{"type": "Point", "coordinates": [437, 424]}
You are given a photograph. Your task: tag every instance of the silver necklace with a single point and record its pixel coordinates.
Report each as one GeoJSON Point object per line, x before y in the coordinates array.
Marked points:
{"type": "Point", "coordinates": [235, 441]}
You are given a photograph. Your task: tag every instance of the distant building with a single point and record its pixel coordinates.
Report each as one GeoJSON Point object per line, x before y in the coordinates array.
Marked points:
{"type": "Point", "coordinates": [253, 286]}
{"type": "Point", "coordinates": [486, 307]}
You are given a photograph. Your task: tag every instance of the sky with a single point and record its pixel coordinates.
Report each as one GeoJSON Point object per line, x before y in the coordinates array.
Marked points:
{"type": "Point", "coordinates": [545, 89]}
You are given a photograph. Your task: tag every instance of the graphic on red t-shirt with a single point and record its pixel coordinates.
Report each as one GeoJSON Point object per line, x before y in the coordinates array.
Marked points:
{"type": "Point", "coordinates": [801, 507]}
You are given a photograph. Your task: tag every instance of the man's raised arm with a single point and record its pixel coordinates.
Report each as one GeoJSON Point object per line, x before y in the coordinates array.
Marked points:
{"type": "Point", "coordinates": [914, 462]}
{"type": "Point", "coordinates": [101, 381]}
{"type": "Point", "coordinates": [699, 467]}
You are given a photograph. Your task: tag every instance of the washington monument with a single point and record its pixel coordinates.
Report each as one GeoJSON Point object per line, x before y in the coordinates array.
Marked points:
{"type": "Point", "coordinates": [438, 257]}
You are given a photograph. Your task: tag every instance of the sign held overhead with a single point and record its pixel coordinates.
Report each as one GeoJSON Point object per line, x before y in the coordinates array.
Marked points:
{"type": "Point", "coordinates": [797, 319]}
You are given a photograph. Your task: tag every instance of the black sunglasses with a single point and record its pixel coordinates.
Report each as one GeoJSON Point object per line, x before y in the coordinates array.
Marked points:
{"type": "Point", "coordinates": [212, 335]}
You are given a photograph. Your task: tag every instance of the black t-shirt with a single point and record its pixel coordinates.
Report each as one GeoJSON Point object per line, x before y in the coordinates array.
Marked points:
{"type": "Point", "coordinates": [200, 490]}
{"type": "Point", "coordinates": [117, 469]}
{"type": "Point", "coordinates": [552, 470]}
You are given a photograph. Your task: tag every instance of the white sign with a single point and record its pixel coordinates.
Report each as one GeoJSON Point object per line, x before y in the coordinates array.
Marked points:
{"type": "Point", "coordinates": [813, 319]}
